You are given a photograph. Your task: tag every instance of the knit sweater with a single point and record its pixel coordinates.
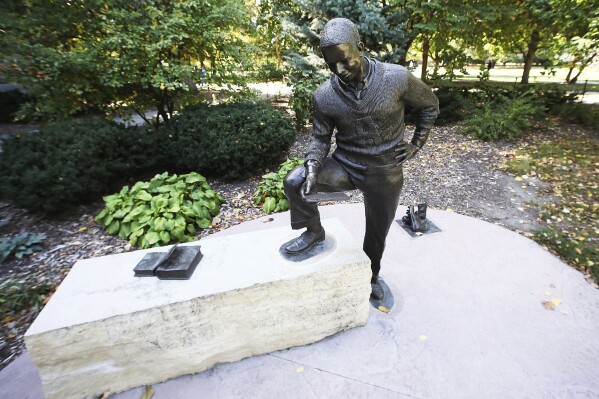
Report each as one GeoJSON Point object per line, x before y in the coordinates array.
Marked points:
{"type": "Point", "coordinates": [373, 125]}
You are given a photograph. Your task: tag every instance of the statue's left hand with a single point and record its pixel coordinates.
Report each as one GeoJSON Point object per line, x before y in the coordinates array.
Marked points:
{"type": "Point", "coordinates": [405, 151]}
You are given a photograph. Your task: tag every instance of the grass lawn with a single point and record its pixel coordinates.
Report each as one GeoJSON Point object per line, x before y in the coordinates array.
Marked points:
{"type": "Point", "coordinates": [513, 74]}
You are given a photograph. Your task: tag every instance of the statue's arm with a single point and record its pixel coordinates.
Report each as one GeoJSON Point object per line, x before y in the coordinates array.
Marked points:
{"type": "Point", "coordinates": [320, 144]}
{"type": "Point", "coordinates": [425, 105]}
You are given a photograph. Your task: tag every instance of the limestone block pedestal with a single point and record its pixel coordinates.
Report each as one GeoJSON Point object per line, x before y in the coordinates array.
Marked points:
{"type": "Point", "coordinates": [105, 330]}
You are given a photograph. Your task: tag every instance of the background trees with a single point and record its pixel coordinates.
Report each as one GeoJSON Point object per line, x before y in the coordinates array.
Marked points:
{"type": "Point", "coordinates": [121, 55]}
{"type": "Point", "coordinates": [128, 56]}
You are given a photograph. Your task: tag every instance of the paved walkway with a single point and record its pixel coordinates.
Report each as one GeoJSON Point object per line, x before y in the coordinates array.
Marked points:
{"type": "Point", "coordinates": [468, 323]}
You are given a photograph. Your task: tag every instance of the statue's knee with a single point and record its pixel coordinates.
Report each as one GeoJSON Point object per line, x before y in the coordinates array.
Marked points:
{"type": "Point", "coordinates": [294, 179]}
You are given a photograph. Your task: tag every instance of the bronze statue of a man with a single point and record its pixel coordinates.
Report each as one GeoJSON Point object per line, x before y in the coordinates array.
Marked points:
{"type": "Point", "coordinates": [364, 100]}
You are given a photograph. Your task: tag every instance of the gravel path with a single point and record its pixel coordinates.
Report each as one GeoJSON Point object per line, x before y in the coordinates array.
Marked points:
{"type": "Point", "coordinates": [453, 172]}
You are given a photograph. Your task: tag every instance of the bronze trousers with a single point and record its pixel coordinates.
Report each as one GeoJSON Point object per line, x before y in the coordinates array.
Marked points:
{"type": "Point", "coordinates": [380, 183]}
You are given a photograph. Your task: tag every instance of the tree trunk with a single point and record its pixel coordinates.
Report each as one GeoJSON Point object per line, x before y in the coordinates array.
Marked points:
{"type": "Point", "coordinates": [569, 74]}
{"type": "Point", "coordinates": [533, 45]}
{"type": "Point", "coordinates": [406, 48]}
{"type": "Point", "coordinates": [582, 66]}
{"type": "Point", "coordinates": [425, 49]}
{"type": "Point", "coordinates": [277, 53]}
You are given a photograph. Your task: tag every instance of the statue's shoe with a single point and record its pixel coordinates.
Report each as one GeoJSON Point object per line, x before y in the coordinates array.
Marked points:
{"type": "Point", "coordinates": [377, 289]}
{"type": "Point", "coordinates": [305, 241]}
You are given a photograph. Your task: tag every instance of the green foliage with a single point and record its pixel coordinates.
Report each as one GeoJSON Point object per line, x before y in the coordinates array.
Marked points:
{"type": "Point", "coordinates": [305, 75]}
{"type": "Point", "coordinates": [270, 191]}
{"type": "Point", "coordinates": [580, 113]}
{"type": "Point", "coordinates": [165, 210]}
{"type": "Point", "coordinates": [21, 245]}
{"type": "Point", "coordinates": [231, 140]}
{"type": "Point", "coordinates": [550, 95]}
{"type": "Point", "coordinates": [573, 251]}
{"type": "Point", "coordinates": [501, 119]}
{"type": "Point", "coordinates": [269, 72]}
{"type": "Point", "coordinates": [455, 101]}
{"type": "Point", "coordinates": [119, 55]}
{"type": "Point", "coordinates": [66, 164]}
{"type": "Point", "coordinates": [458, 100]}
{"type": "Point", "coordinates": [17, 295]}
{"type": "Point", "coordinates": [10, 101]}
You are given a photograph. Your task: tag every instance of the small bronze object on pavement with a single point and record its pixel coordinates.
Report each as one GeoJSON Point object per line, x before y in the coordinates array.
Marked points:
{"type": "Point", "coordinates": [416, 220]}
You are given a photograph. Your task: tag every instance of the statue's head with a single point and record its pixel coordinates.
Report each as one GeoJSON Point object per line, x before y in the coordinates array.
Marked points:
{"type": "Point", "coordinates": [341, 48]}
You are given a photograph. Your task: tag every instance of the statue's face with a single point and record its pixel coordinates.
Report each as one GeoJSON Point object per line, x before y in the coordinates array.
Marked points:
{"type": "Point", "coordinates": [345, 61]}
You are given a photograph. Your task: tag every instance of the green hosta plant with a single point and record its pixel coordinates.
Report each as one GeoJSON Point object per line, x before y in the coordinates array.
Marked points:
{"type": "Point", "coordinates": [167, 209]}
{"type": "Point", "coordinates": [270, 191]}
{"type": "Point", "coordinates": [24, 244]}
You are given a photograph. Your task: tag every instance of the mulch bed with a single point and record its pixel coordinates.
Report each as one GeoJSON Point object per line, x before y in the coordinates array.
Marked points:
{"type": "Point", "coordinates": [453, 172]}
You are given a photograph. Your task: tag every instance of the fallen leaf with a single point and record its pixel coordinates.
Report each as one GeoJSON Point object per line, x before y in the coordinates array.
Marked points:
{"type": "Point", "coordinates": [148, 393]}
{"type": "Point", "coordinates": [518, 178]}
{"type": "Point", "coordinates": [8, 319]}
{"type": "Point", "coordinates": [299, 369]}
{"type": "Point", "coordinates": [423, 337]}
{"type": "Point", "coordinates": [548, 305]}
{"type": "Point", "coordinates": [82, 229]}
{"type": "Point", "coordinates": [556, 301]}
{"type": "Point", "coordinates": [384, 309]}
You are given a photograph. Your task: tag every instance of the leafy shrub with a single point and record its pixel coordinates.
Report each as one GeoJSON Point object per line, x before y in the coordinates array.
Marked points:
{"type": "Point", "coordinates": [67, 164]}
{"type": "Point", "coordinates": [550, 94]}
{"type": "Point", "coordinates": [502, 119]}
{"type": "Point", "coordinates": [458, 100]}
{"type": "Point", "coordinates": [269, 72]}
{"type": "Point", "coordinates": [19, 294]}
{"type": "Point", "coordinates": [24, 244]}
{"type": "Point", "coordinates": [231, 140]}
{"type": "Point", "coordinates": [164, 210]}
{"type": "Point", "coordinates": [270, 191]}
{"type": "Point", "coordinates": [10, 101]}
{"type": "Point", "coordinates": [454, 103]}
{"type": "Point", "coordinates": [579, 113]}
{"type": "Point", "coordinates": [305, 75]}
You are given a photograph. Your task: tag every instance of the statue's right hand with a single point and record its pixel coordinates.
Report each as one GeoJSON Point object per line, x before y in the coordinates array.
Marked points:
{"type": "Point", "coordinates": [309, 185]}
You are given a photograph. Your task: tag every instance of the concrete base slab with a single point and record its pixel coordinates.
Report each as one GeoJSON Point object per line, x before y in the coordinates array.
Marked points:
{"type": "Point", "coordinates": [467, 323]}
{"type": "Point", "coordinates": [105, 330]}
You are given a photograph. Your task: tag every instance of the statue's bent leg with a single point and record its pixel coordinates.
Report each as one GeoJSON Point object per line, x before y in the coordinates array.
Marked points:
{"type": "Point", "coordinates": [302, 213]}
{"type": "Point", "coordinates": [332, 177]}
